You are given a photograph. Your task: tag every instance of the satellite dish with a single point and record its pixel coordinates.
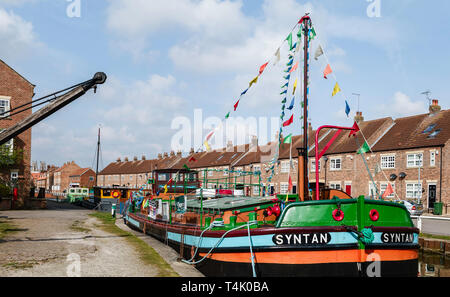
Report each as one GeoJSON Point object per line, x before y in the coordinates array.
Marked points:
{"type": "Point", "coordinates": [402, 175]}
{"type": "Point", "coordinates": [393, 177]}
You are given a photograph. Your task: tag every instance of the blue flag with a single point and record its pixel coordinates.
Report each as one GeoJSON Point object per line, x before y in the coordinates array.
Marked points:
{"type": "Point", "coordinates": [284, 92]}
{"type": "Point", "coordinates": [287, 77]}
{"type": "Point", "coordinates": [292, 104]}
{"type": "Point", "coordinates": [243, 93]}
{"type": "Point", "coordinates": [347, 108]}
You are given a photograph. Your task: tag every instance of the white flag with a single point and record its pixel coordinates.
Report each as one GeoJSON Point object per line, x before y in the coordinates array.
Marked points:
{"type": "Point", "coordinates": [319, 52]}
{"type": "Point", "coordinates": [277, 54]}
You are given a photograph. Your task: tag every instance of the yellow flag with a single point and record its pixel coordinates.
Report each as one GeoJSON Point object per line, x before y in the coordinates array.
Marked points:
{"type": "Point", "coordinates": [253, 81]}
{"type": "Point", "coordinates": [336, 90]}
{"type": "Point", "coordinates": [208, 148]}
{"type": "Point", "coordinates": [165, 189]}
{"type": "Point", "coordinates": [295, 86]}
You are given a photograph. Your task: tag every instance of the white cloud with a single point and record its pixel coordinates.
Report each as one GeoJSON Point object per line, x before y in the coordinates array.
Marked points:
{"type": "Point", "coordinates": [404, 106]}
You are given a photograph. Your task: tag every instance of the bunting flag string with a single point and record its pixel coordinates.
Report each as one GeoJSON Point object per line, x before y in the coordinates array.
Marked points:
{"type": "Point", "coordinates": [327, 71]}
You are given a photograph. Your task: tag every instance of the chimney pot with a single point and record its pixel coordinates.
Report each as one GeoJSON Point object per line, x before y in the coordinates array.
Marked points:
{"type": "Point", "coordinates": [166, 155]}
{"type": "Point", "coordinates": [135, 158]}
{"type": "Point", "coordinates": [126, 159]}
{"type": "Point", "coordinates": [143, 158]}
{"type": "Point", "coordinates": [359, 117]}
{"type": "Point", "coordinates": [434, 107]}
{"type": "Point", "coordinates": [159, 156]}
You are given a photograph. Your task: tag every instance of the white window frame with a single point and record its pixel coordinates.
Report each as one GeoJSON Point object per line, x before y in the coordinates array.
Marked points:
{"type": "Point", "coordinates": [7, 108]}
{"type": "Point", "coordinates": [372, 187]}
{"type": "Point", "coordinates": [284, 188]}
{"type": "Point", "coordinates": [313, 165]}
{"type": "Point", "coordinates": [334, 163]}
{"type": "Point", "coordinates": [334, 184]}
{"type": "Point", "coordinates": [432, 158]}
{"type": "Point", "coordinates": [256, 168]}
{"type": "Point", "coordinates": [284, 167]}
{"type": "Point", "coordinates": [417, 162]}
{"type": "Point", "coordinates": [386, 162]}
{"type": "Point", "coordinates": [14, 174]}
{"type": "Point", "coordinates": [415, 189]}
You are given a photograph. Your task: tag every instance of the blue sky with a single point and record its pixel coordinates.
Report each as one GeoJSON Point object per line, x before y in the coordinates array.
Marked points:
{"type": "Point", "coordinates": [166, 58]}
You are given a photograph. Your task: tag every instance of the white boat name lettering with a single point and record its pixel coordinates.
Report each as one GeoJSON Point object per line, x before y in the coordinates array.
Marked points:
{"type": "Point", "coordinates": [301, 239]}
{"type": "Point", "coordinates": [397, 237]}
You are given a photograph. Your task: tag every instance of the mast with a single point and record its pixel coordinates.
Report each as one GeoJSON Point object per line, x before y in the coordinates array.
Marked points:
{"type": "Point", "coordinates": [98, 157]}
{"type": "Point", "coordinates": [306, 26]}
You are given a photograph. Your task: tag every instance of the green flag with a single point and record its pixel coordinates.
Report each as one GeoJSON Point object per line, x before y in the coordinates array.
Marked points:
{"type": "Point", "coordinates": [312, 34]}
{"type": "Point", "coordinates": [186, 167]}
{"type": "Point", "coordinates": [299, 33]}
{"type": "Point", "coordinates": [289, 39]}
{"type": "Point", "coordinates": [288, 139]}
{"type": "Point", "coordinates": [227, 116]}
{"type": "Point", "coordinates": [364, 149]}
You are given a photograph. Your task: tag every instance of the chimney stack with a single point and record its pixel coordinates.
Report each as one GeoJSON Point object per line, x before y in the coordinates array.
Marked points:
{"type": "Point", "coordinates": [126, 159]}
{"type": "Point", "coordinates": [118, 160]}
{"type": "Point", "coordinates": [310, 130]}
{"type": "Point", "coordinates": [135, 158]}
{"type": "Point", "coordinates": [144, 158]}
{"type": "Point", "coordinates": [159, 156]}
{"type": "Point", "coordinates": [172, 153]}
{"type": "Point", "coordinates": [166, 155]}
{"type": "Point", "coordinates": [192, 151]}
{"type": "Point", "coordinates": [359, 117]}
{"type": "Point", "coordinates": [434, 107]}
{"type": "Point", "coordinates": [254, 141]}
{"type": "Point", "coordinates": [179, 154]}
{"type": "Point", "coordinates": [229, 146]}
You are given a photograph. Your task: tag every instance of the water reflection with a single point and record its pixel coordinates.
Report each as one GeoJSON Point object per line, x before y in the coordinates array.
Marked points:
{"type": "Point", "coordinates": [433, 265]}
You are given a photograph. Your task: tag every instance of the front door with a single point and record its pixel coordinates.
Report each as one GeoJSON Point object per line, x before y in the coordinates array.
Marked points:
{"type": "Point", "coordinates": [431, 196]}
{"type": "Point", "coordinates": [348, 189]}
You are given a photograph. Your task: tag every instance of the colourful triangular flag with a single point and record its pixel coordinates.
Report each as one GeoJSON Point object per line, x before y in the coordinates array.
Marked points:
{"type": "Point", "coordinates": [312, 34]}
{"type": "Point", "coordinates": [364, 148]}
{"type": "Point", "coordinates": [290, 186]}
{"type": "Point", "coordinates": [288, 139]}
{"type": "Point", "coordinates": [336, 90]}
{"type": "Point", "coordinates": [347, 108]}
{"type": "Point", "coordinates": [165, 189]}
{"type": "Point", "coordinates": [287, 77]}
{"type": "Point", "coordinates": [261, 69]}
{"type": "Point", "coordinates": [295, 86]}
{"type": "Point", "coordinates": [294, 68]}
{"type": "Point", "coordinates": [208, 148]}
{"type": "Point", "coordinates": [290, 62]}
{"type": "Point", "coordinates": [254, 81]}
{"type": "Point", "coordinates": [389, 191]}
{"type": "Point", "coordinates": [227, 116]}
{"type": "Point", "coordinates": [319, 52]}
{"type": "Point", "coordinates": [210, 135]}
{"type": "Point", "coordinates": [355, 129]}
{"type": "Point", "coordinates": [284, 100]}
{"type": "Point", "coordinates": [327, 71]}
{"type": "Point", "coordinates": [289, 122]}
{"type": "Point", "coordinates": [243, 93]}
{"type": "Point", "coordinates": [284, 92]}
{"type": "Point", "coordinates": [278, 56]}
{"type": "Point", "coordinates": [192, 159]}
{"type": "Point", "coordinates": [291, 106]}
{"type": "Point", "coordinates": [186, 167]}
{"type": "Point", "coordinates": [236, 105]}
{"type": "Point", "coordinates": [285, 85]}
{"type": "Point", "coordinates": [288, 70]}
{"type": "Point", "coordinates": [289, 39]}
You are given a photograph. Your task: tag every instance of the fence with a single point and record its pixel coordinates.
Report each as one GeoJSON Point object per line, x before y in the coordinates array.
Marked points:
{"type": "Point", "coordinates": [440, 225]}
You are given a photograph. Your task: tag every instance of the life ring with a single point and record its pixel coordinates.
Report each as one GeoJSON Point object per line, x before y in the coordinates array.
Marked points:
{"type": "Point", "coordinates": [338, 215]}
{"type": "Point", "coordinates": [115, 194]}
{"type": "Point", "coordinates": [374, 215]}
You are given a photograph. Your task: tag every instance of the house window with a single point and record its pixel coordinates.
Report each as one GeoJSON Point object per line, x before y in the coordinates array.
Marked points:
{"type": "Point", "coordinates": [4, 106]}
{"type": "Point", "coordinates": [388, 162]}
{"type": "Point", "coordinates": [210, 173]}
{"type": "Point", "coordinates": [383, 187]}
{"type": "Point", "coordinates": [284, 188]}
{"type": "Point", "coordinates": [14, 174]}
{"type": "Point", "coordinates": [414, 160]}
{"type": "Point", "coordinates": [256, 190]}
{"type": "Point", "coordinates": [413, 190]}
{"type": "Point", "coordinates": [284, 167]}
{"type": "Point", "coordinates": [335, 185]}
{"type": "Point", "coordinates": [162, 177]}
{"type": "Point", "coordinates": [225, 171]}
{"type": "Point", "coordinates": [335, 164]}
{"type": "Point", "coordinates": [432, 158]}
{"type": "Point", "coordinates": [313, 165]}
{"type": "Point", "coordinates": [257, 168]}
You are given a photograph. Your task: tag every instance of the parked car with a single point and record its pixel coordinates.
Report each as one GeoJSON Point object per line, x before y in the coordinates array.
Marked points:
{"type": "Point", "coordinates": [413, 208]}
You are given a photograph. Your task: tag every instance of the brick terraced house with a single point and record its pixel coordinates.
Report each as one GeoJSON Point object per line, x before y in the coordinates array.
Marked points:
{"type": "Point", "coordinates": [15, 90]}
{"type": "Point", "coordinates": [410, 153]}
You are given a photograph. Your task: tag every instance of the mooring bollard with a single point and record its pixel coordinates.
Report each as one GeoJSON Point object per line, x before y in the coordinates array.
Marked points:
{"type": "Point", "coordinates": [113, 210]}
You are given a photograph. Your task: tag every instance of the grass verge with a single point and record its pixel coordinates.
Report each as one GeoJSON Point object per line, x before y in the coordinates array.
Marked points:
{"type": "Point", "coordinates": [147, 254]}
{"type": "Point", "coordinates": [443, 237]}
{"type": "Point", "coordinates": [6, 228]}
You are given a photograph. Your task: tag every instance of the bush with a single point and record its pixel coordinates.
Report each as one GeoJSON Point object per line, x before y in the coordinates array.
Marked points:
{"type": "Point", "coordinates": [5, 190]}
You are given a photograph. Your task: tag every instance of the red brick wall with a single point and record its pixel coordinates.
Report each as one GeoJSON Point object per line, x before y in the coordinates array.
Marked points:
{"type": "Point", "coordinates": [21, 92]}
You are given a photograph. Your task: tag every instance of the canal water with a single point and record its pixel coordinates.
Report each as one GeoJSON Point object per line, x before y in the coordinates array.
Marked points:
{"type": "Point", "coordinates": [433, 265]}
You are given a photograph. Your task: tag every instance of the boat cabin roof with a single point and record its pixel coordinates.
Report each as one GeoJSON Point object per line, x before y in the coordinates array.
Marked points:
{"type": "Point", "coordinates": [226, 202]}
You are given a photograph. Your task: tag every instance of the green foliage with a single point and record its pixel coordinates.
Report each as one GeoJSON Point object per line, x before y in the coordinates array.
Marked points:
{"type": "Point", "coordinates": [5, 190]}
{"type": "Point", "coordinates": [10, 158]}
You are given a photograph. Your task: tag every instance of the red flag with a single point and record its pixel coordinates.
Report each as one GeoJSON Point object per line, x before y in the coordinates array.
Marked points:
{"type": "Point", "coordinates": [388, 191]}
{"type": "Point", "coordinates": [294, 68]}
{"type": "Point", "coordinates": [170, 181]}
{"type": "Point", "coordinates": [209, 135]}
{"type": "Point", "coordinates": [327, 71]}
{"type": "Point", "coordinates": [192, 159]}
{"type": "Point", "coordinates": [288, 122]}
{"type": "Point", "coordinates": [290, 184]}
{"type": "Point", "coordinates": [236, 105]}
{"type": "Point", "coordinates": [261, 69]}
{"type": "Point", "coordinates": [355, 129]}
